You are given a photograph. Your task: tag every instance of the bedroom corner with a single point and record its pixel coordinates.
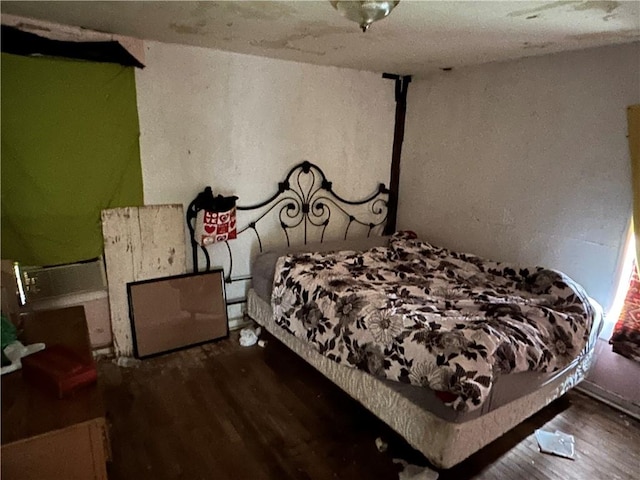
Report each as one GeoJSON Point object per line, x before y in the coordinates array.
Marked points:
{"type": "Point", "coordinates": [617, 361]}
{"type": "Point", "coordinates": [308, 272]}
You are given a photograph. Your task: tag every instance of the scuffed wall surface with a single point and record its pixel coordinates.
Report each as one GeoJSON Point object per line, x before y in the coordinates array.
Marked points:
{"type": "Point", "coordinates": [526, 161]}
{"type": "Point", "coordinates": [238, 123]}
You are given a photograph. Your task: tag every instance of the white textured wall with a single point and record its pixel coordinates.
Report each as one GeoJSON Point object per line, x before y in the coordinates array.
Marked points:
{"type": "Point", "coordinates": [526, 161]}
{"type": "Point", "coordinates": [238, 123]}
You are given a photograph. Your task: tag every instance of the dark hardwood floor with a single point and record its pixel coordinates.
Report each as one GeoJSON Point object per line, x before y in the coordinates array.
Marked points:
{"type": "Point", "coordinates": [221, 411]}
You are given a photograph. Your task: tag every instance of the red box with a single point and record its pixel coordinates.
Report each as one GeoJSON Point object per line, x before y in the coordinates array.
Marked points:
{"type": "Point", "coordinates": [59, 369]}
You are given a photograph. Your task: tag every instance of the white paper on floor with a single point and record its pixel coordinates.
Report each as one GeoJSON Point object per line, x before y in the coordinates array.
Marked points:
{"type": "Point", "coordinates": [414, 472]}
{"type": "Point", "coordinates": [249, 336]}
{"type": "Point", "coordinates": [15, 351]}
{"type": "Point", "coordinates": [127, 362]}
{"type": "Point", "coordinates": [557, 443]}
{"type": "Point", "coordinates": [381, 445]}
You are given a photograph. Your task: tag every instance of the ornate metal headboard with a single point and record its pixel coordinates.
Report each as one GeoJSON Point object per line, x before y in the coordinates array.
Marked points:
{"type": "Point", "coordinates": [304, 202]}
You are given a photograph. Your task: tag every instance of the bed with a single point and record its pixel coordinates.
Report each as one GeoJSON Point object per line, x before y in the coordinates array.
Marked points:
{"type": "Point", "coordinates": [445, 403]}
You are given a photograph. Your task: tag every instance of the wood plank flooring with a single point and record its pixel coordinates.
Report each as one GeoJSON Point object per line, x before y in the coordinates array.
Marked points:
{"type": "Point", "coordinates": [221, 411]}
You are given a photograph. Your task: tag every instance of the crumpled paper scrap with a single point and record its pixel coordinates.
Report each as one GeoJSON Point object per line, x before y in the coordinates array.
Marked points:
{"type": "Point", "coordinates": [249, 336]}
{"type": "Point", "coordinates": [415, 472]}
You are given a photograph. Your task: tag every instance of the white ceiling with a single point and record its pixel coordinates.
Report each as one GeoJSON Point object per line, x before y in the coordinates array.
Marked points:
{"type": "Point", "coordinates": [418, 36]}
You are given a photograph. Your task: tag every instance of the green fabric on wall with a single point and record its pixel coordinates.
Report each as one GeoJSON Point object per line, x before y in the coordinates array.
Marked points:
{"type": "Point", "coordinates": [69, 149]}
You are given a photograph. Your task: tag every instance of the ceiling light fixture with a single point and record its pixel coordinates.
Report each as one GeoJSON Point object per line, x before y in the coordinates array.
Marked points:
{"type": "Point", "coordinates": [364, 12]}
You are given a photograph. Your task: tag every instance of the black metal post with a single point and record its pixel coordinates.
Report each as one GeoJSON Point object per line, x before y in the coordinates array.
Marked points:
{"type": "Point", "coordinates": [401, 87]}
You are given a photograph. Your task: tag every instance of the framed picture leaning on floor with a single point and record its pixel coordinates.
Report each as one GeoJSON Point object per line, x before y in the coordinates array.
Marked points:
{"type": "Point", "coordinates": [177, 312]}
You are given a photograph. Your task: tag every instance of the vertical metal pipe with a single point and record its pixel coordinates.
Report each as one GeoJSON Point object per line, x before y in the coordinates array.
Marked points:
{"type": "Point", "coordinates": [401, 88]}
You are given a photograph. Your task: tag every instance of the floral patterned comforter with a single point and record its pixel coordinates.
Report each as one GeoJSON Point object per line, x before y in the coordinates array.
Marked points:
{"type": "Point", "coordinates": [419, 314]}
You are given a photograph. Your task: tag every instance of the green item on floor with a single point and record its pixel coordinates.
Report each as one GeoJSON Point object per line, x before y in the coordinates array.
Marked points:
{"type": "Point", "coordinates": [8, 334]}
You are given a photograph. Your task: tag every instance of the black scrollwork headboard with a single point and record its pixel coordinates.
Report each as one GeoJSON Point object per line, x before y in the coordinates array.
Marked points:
{"type": "Point", "coordinates": [304, 202]}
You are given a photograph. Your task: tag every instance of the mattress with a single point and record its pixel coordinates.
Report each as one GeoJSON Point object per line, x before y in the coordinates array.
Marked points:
{"type": "Point", "coordinates": [506, 387]}
{"type": "Point", "coordinates": [445, 438]}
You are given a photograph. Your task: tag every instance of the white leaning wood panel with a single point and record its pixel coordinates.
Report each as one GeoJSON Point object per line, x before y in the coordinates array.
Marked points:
{"type": "Point", "coordinates": [140, 243]}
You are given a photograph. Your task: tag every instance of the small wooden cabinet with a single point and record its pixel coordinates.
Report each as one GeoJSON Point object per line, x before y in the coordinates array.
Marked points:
{"type": "Point", "coordinates": [44, 437]}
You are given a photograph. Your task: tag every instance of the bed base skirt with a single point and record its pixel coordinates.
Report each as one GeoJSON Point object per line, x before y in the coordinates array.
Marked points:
{"type": "Point", "coordinates": [443, 443]}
